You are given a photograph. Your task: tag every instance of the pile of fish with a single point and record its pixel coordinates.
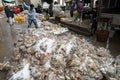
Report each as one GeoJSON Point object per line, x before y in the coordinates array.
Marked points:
{"type": "Point", "coordinates": [52, 52]}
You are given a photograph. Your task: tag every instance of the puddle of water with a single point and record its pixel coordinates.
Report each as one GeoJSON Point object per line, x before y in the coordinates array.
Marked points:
{"type": "Point", "coordinates": [7, 37]}
{"type": "Point", "coordinates": [6, 42]}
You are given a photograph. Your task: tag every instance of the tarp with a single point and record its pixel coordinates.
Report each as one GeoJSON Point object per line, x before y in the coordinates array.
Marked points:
{"type": "Point", "coordinates": [9, 1]}
{"type": "Point", "coordinates": [45, 5]}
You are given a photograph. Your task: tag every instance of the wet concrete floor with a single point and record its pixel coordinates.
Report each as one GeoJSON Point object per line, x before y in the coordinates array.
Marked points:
{"type": "Point", "coordinates": [6, 43]}
{"type": "Point", "coordinates": [6, 39]}
{"type": "Point", "coordinates": [8, 34]}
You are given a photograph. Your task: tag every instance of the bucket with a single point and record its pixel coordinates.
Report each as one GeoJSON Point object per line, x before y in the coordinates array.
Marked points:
{"type": "Point", "coordinates": [102, 35]}
{"type": "Point", "coordinates": [112, 32]}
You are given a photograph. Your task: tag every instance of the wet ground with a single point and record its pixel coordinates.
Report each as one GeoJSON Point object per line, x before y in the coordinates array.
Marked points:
{"type": "Point", "coordinates": [115, 44]}
{"type": "Point", "coordinates": [6, 43]}
{"type": "Point", "coordinates": [6, 39]}
{"type": "Point", "coordinates": [8, 34]}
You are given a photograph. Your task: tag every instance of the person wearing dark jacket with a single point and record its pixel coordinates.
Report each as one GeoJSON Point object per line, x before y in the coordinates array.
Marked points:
{"type": "Point", "coordinates": [51, 10]}
{"type": "Point", "coordinates": [94, 26]}
{"type": "Point", "coordinates": [31, 15]}
{"type": "Point", "coordinates": [39, 9]}
{"type": "Point", "coordinates": [7, 12]}
{"type": "Point", "coordinates": [79, 9]}
{"type": "Point", "coordinates": [10, 15]}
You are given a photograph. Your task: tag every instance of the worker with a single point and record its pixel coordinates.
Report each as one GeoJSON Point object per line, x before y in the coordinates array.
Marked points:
{"type": "Point", "coordinates": [10, 14]}
{"type": "Point", "coordinates": [31, 15]}
{"type": "Point", "coordinates": [51, 10]}
{"type": "Point", "coordinates": [94, 26]}
{"type": "Point", "coordinates": [72, 8]}
{"type": "Point", "coordinates": [79, 9]}
{"type": "Point", "coordinates": [57, 12]}
{"type": "Point", "coordinates": [39, 9]}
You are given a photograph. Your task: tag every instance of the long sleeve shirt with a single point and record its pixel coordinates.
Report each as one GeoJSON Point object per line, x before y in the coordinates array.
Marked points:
{"type": "Point", "coordinates": [72, 7]}
{"type": "Point", "coordinates": [31, 13]}
{"type": "Point", "coordinates": [79, 7]}
{"type": "Point", "coordinates": [7, 11]}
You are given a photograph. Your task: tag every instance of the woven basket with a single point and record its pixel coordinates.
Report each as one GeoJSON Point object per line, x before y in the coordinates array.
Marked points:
{"type": "Point", "coordinates": [102, 35]}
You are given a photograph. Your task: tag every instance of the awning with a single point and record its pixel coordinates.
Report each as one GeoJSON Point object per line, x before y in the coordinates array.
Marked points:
{"type": "Point", "coordinates": [9, 1]}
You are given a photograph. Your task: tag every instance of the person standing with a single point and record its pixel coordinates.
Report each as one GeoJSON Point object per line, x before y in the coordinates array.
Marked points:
{"type": "Point", "coordinates": [10, 14]}
{"type": "Point", "coordinates": [94, 26]}
{"type": "Point", "coordinates": [47, 14]}
{"type": "Point", "coordinates": [79, 9]}
{"type": "Point", "coordinates": [7, 12]}
{"type": "Point", "coordinates": [39, 8]}
{"type": "Point", "coordinates": [31, 15]}
{"type": "Point", "coordinates": [57, 12]}
{"type": "Point", "coordinates": [51, 10]}
{"type": "Point", "coordinates": [72, 5]}
{"type": "Point", "coordinates": [95, 19]}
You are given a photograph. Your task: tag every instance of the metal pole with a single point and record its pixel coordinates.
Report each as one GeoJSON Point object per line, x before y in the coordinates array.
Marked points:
{"type": "Point", "coordinates": [108, 3]}
{"type": "Point", "coordinates": [116, 3]}
{"type": "Point", "coordinates": [99, 8]}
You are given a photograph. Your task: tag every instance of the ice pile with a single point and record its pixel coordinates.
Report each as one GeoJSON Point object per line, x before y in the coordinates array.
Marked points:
{"type": "Point", "coordinates": [42, 55]}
